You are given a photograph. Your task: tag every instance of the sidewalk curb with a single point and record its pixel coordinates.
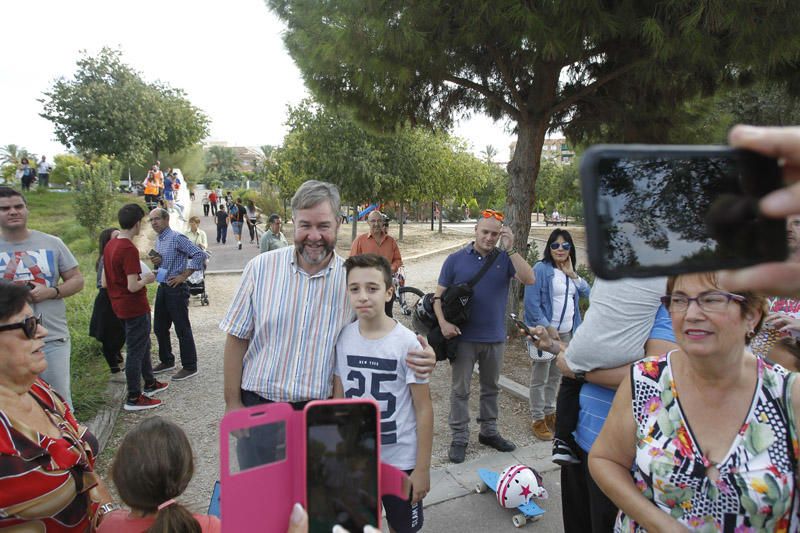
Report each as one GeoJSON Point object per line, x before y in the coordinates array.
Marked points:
{"type": "Point", "coordinates": [434, 252]}
{"type": "Point", "coordinates": [102, 425]}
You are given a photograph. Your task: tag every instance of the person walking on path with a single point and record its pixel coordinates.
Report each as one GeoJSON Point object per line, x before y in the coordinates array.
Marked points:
{"type": "Point", "coordinates": [27, 174]}
{"type": "Point", "coordinates": [38, 260]}
{"type": "Point", "coordinates": [377, 241]}
{"type": "Point", "coordinates": [206, 204]}
{"type": "Point", "coordinates": [176, 259]}
{"type": "Point", "coordinates": [43, 171]}
{"type": "Point", "coordinates": [273, 238]}
{"type": "Point", "coordinates": [213, 200]}
{"type": "Point", "coordinates": [482, 337]}
{"type": "Point", "coordinates": [237, 216]}
{"type": "Point", "coordinates": [252, 214]}
{"type": "Point", "coordinates": [552, 302]}
{"type": "Point", "coordinates": [285, 317]}
{"type": "Point", "coordinates": [128, 294]}
{"type": "Point", "coordinates": [222, 225]}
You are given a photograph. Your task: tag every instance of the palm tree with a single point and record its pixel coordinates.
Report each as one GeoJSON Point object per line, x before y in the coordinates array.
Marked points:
{"type": "Point", "coordinates": [221, 161]}
{"type": "Point", "coordinates": [11, 154]}
{"type": "Point", "coordinates": [489, 153]}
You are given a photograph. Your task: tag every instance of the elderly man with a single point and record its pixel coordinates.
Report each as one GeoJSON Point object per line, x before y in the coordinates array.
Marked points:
{"type": "Point", "coordinates": [273, 238]}
{"type": "Point", "coordinates": [377, 241]}
{"type": "Point", "coordinates": [175, 258]}
{"type": "Point", "coordinates": [482, 338]}
{"type": "Point", "coordinates": [285, 317]}
{"type": "Point", "coordinates": [40, 261]}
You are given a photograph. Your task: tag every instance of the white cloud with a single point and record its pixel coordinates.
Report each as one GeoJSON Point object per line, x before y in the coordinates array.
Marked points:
{"type": "Point", "coordinates": [228, 57]}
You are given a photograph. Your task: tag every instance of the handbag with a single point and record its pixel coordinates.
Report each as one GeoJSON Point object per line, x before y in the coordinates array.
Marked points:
{"type": "Point", "coordinates": [456, 299]}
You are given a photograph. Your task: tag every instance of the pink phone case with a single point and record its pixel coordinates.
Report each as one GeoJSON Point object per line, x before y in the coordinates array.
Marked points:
{"type": "Point", "coordinates": [261, 498]}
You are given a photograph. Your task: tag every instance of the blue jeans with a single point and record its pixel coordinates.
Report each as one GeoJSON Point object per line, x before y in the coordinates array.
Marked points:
{"type": "Point", "coordinates": [172, 307]}
{"type": "Point", "coordinates": [57, 352]}
{"type": "Point", "coordinates": [138, 364]}
{"type": "Point", "coordinates": [222, 234]}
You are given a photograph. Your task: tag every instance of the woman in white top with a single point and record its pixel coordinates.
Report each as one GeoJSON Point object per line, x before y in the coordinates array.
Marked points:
{"type": "Point", "coordinates": [195, 234]}
{"type": "Point", "coordinates": [552, 302]}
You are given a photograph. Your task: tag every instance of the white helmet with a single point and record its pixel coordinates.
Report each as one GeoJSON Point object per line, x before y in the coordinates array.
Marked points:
{"type": "Point", "coordinates": [517, 485]}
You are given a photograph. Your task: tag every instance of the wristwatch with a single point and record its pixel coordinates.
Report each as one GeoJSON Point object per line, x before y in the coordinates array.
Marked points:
{"type": "Point", "coordinates": [580, 376]}
{"type": "Point", "coordinates": [513, 251]}
{"type": "Point", "coordinates": [105, 509]}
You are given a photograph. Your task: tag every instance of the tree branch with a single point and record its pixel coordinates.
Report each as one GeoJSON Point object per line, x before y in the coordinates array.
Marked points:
{"type": "Point", "coordinates": [574, 98]}
{"type": "Point", "coordinates": [482, 89]}
{"type": "Point", "coordinates": [504, 72]}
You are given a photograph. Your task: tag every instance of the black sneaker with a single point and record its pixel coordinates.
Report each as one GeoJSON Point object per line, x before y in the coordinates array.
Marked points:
{"type": "Point", "coordinates": [163, 367]}
{"type": "Point", "coordinates": [457, 452]}
{"type": "Point", "coordinates": [183, 373]}
{"type": "Point", "coordinates": [497, 442]}
{"type": "Point", "coordinates": [563, 454]}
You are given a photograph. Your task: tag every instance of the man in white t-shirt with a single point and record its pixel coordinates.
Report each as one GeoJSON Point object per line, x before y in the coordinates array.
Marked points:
{"type": "Point", "coordinates": [370, 363]}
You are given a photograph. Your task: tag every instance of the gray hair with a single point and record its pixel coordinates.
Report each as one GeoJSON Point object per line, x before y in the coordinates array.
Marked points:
{"type": "Point", "coordinates": [313, 192]}
{"type": "Point", "coordinates": [163, 213]}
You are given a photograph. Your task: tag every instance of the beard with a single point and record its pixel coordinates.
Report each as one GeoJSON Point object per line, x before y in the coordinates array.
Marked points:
{"type": "Point", "coordinates": [310, 257]}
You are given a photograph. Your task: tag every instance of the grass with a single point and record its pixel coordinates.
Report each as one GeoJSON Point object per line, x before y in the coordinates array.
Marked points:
{"type": "Point", "coordinates": [54, 213]}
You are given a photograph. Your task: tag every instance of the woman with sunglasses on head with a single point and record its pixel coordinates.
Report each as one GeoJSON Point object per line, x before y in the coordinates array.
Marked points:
{"type": "Point", "coordinates": [552, 302]}
{"type": "Point", "coordinates": [47, 481]}
{"type": "Point", "coordinates": [709, 428]}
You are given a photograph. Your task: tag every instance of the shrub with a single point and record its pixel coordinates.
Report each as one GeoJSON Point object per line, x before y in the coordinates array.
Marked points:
{"type": "Point", "coordinates": [95, 183]}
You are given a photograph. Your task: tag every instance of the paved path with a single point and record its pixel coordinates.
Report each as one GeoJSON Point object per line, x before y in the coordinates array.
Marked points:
{"type": "Point", "coordinates": [223, 256]}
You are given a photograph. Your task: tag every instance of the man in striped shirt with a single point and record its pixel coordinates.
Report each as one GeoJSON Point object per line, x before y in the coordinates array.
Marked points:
{"type": "Point", "coordinates": [283, 321]}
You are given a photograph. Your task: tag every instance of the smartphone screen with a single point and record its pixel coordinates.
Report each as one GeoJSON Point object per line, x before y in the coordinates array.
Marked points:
{"type": "Point", "coordinates": [342, 466]}
{"type": "Point", "coordinates": [662, 210]}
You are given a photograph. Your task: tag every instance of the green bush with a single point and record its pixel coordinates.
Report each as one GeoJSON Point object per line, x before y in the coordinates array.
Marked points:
{"type": "Point", "coordinates": [454, 211]}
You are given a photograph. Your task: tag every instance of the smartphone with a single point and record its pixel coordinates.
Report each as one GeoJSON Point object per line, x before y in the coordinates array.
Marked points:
{"type": "Point", "coordinates": [153, 253]}
{"type": "Point", "coordinates": [657, 210]}
{"type": "Point", "coordinates": [521, 325]}
{"type": "Point", "coordinates": [342, 464]}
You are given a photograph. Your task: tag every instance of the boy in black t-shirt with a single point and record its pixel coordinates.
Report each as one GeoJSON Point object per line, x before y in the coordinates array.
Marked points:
{"type": "Point", "coordinates": [222, 224]}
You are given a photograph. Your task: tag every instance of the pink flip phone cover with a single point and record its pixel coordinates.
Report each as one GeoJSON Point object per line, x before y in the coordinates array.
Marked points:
{"type": "Point", "coordinates": [261, 498]}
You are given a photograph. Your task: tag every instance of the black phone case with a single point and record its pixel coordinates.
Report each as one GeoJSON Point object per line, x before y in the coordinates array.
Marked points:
{"type": "Point", "coordinates": [772, 180]}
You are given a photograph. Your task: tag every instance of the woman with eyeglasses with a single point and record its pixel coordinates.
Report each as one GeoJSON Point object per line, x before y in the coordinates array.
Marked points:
{"type": "Point", "coordinates": [709, 428]}
{"type": "Point", "coordinates": [47, 481]}
{"type": "Point", "coordinates": [552, 302]}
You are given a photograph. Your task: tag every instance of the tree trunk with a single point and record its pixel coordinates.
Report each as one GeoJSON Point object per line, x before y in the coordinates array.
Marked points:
{"type": "Point", "coordinates": [441, 214]}
{"type": "Point", "coordinates": [523, 169]}
{"type": "Point", "coordinates": [433, 212]}
{"type": "Point", "coordinates": [400, 234]}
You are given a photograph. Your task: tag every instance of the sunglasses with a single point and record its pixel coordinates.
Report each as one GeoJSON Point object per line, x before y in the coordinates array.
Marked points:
{"type": "Point", "coordinates": [28, 326]}
{"type": "Point", "coordinates": [489, 213]}
{"type": "Point", "coordinates": [565, 245]}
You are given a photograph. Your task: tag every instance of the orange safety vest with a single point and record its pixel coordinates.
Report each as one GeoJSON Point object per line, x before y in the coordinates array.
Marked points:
{"type": "Point", "coordinates": [150, 187]}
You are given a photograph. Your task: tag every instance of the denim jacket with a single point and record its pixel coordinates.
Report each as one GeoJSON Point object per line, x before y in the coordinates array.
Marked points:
{"type": "Point", "coordinates": [539, 297]}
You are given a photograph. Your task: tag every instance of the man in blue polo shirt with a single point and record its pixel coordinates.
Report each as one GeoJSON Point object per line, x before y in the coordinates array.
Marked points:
{"type": "Point", "coordinates": [482, 338]}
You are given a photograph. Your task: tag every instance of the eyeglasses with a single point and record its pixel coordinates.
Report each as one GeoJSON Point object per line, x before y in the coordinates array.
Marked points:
{"type": "Point", "coordinates": [489, 213]}
{"type": "Point", "coordinates": [28, 326]}
{"type": "Point", "coordinates": [712, 301]}
{"type": "Point", "coordinates": [556, 245]}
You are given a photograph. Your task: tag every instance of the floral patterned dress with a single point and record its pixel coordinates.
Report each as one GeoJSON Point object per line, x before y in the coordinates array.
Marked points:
{"type": "Point", "coordinates": [756, 486]}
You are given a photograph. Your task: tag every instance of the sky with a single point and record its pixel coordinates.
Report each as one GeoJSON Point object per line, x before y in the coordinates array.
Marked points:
{"type": "Point", "coordinates": [228, 56]}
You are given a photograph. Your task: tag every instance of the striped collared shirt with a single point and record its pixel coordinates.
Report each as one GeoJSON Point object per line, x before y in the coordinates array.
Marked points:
{"type": "Point", "coordinates": [292, 321]}
{"type": "Point", "coordinates": [178, 253]}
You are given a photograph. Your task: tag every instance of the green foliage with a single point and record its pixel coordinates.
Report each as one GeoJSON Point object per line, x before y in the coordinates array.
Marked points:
{"type": "Point", "coordinates": [63, 165]}
{"type": "Point", "coordinates": [454, 211]}
{"type": "Point", "coordinates": [95, 185]}
{"type": "Point", "coordinates": [8, 173]}
{"type": "Point", "coordinates": [221, 163]}
{"type": "Point", "coordinates": [107, 108]}
{"type": "Point", "coordinates": [586, 273]}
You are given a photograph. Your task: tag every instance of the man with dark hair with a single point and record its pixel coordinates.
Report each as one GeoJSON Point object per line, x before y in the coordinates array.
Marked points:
{"type": "Point", "coordinates": [176, 259]}
{"type": "Point", "coordinates": [38, 260]}
{"type": "Point", "coordinates": [126, 284]}
{"type": "Point", "coordinates": [273, 238]}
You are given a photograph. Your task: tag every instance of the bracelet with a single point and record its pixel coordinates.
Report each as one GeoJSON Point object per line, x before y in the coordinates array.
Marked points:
{"type": "Point", "coordinates": [513, 251]}
{"type": "Point", "coordinates": [58, 292]}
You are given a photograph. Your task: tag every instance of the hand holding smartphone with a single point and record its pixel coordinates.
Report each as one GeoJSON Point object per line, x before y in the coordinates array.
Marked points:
{"type": "Point", "coordinates": [521, 325]}
{"type": "Point", "coordinates": [655, 210]}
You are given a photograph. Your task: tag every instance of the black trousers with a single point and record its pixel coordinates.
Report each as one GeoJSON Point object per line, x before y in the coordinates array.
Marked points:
{"type": "Point", "coordinates": [206, 207]}
{"type": "Point", "coordinates": [584, 507]}
{"type": "Point", "coordinates": [568, 404]}
{"type": "Point", "coordinates": [172, 307]}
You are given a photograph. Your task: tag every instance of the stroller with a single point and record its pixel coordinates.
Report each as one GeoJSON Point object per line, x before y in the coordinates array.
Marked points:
{"type": "Point", "coordinates": [197, 282]}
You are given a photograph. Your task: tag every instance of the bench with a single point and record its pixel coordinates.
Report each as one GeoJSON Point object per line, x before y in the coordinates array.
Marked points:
{"type": "Point", "coordinates": [556, 222]}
